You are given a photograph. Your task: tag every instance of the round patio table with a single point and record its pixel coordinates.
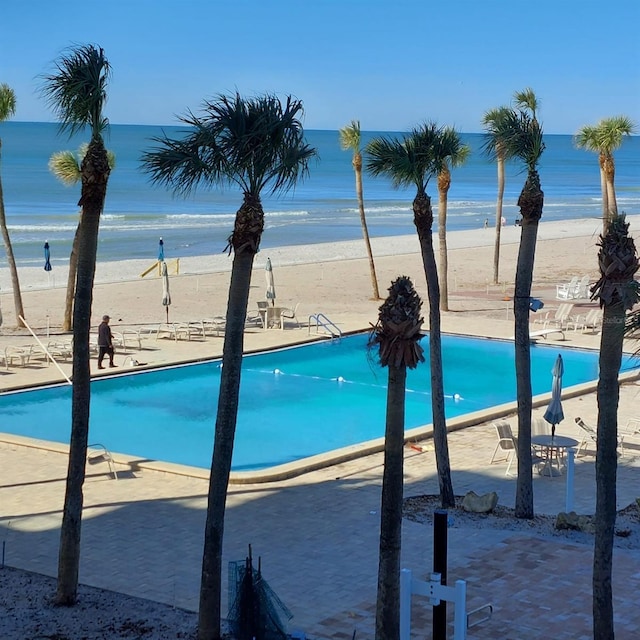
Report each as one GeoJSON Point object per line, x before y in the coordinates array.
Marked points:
{"type": "Point", "coordinates": [554, 448]}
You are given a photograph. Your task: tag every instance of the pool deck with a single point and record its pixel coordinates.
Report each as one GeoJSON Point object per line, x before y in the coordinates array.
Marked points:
{"type": "Point", "coordinates": [318, 533]}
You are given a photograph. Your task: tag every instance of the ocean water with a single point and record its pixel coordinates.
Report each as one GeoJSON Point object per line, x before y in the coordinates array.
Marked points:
{"type": "Point", "coordinates": [323, 208]}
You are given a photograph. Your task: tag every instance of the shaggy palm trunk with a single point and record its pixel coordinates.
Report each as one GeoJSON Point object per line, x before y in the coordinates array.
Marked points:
{"type": "Point", "coordinates": [67, 324]}
{"type": "Point", "coordinates": [531, 201]}
{"type": "Point", "coordinates": [245, 242]}
{"type": "Point", "coordinates": [606, 469]}
{"type": "Point", "coordinates": [444, 182]}
{"type": "Point", "coordinates": [95, 174]}
{"type": "Point", "coordinates": [388, 607]}
{"type": "Point", "coordinates": [11, 261]}
{"type": "Point", "coordinates": [496, 248]}
{"type": "Point", "coordinates": [357, 167]}
{"type": "Point", "coordinates": [423, 220]}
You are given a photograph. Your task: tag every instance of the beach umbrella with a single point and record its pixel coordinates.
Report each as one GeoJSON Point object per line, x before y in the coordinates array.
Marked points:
{"type": "Point", "coordinates": [553, 415]}
{"type": "Point", "coordinates": [47, 257]}
{"type": "Point", "coordinates": [161, 250]}
{"type": "Point", "coordinates": [166, 296]}
{"type": "Point", "coordinates": [271, 287]}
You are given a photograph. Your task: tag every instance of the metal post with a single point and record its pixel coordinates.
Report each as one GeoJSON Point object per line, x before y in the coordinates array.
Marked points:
{"type": "Point", "coordinates": [405, 604]}
{"type": "Point", "coordinates": [440, 519]}
{"type": "Point", "coordinates": [570, 469]}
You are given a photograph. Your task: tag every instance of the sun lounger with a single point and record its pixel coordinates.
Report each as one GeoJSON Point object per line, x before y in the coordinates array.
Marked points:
{"type": "Point", "coordinates": [543, 333]}
{"type": "Point", "coordinates": [20, 355]}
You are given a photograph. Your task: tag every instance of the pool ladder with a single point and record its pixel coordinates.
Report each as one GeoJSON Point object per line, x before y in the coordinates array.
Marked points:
{"type": "Point", "coordinates": [319, 320]}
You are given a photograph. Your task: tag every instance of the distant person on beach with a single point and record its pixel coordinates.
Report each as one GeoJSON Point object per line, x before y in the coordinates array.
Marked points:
{"type": "Point", "coordinates": [105, 342]}
{"type": "Point", "coordinates": [503, 220]}
{"type": "Point", "coordinates": [486, 223]}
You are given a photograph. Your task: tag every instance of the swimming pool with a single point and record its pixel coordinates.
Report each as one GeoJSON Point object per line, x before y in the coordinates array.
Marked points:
{"type": "Point", "coordinates": [294, 402]}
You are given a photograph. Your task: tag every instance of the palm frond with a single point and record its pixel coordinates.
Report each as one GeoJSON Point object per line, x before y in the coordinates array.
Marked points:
{"type": "Point", "coordinates": [7, 102]}
{"type": "Point", "coordinates": [526, 100]}
{"type": "Point", "coordinates": [494, 121]}
{"type": "Point", "coordinates": [350, 136]}
{"type": "Point", "coordinates": [65, 166]}
{"type": "Point", "coordinates": [254, 143]}
{"type": "Point", "coordinates": [76, 90]}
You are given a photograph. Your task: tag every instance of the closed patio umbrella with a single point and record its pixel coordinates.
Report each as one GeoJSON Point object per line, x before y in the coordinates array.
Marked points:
{"type": "Point", "coordinates": [271, 287]}
{"type": "Point", "coordinates": [161, 250]}
{"type": "Point", "coordinates": [554, 414]}
{"type": "Point", "coordinates": [166, 295]}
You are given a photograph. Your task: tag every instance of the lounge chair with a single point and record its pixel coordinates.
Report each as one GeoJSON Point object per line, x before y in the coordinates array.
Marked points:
{"type": "Point", "coordinates": [590, 434]}
{"type": "Point", "coordinates": [20, 355]}
{"type": "Point", "coordinates": [591, 320]}
{"type": "Point", "coordinates": [561, 318]}
{"type": "Point", "coordinates": [630, 435]}
{"type": "Point", "coordinates": [568, 290]}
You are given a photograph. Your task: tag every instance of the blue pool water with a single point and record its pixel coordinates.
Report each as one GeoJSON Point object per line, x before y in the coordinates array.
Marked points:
{"type": "Point", "coordinates": [294, 402]}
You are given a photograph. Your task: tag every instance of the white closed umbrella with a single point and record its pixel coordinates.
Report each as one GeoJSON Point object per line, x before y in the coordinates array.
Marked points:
{"type": "Point", "coordinates": [166, 295]}
{"type": "Point", "coordinates": [554, 414]}
{"type": "Point", "coordinates": [271, 287]}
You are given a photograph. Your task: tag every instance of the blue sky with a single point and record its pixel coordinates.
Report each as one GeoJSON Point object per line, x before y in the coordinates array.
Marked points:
{"type": "Point", "coordinates": [389, 63]}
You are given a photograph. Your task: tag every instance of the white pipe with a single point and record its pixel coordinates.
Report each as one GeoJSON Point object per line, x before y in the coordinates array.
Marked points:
{"type": "Point", "coordinates": [45, 350]}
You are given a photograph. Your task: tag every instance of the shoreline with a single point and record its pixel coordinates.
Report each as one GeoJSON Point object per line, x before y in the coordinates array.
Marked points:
{"type": "Point", "coordinates": [35, 278]}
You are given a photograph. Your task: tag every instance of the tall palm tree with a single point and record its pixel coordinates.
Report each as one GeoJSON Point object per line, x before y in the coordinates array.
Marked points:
{"type": "Point", "coordinates": [7, 109]}
{"type": "Point", "coordinates": [397, 334]}
{"type": "Point", "coordinates": [350, 140]}
{"type": "Point", "coordinates": [604, 138]}
{"type": "Point", "coordinates": [456, 155]}
{"type": "Point", "coordinates": [617, 293]}
{"type": "Point", "coordinates": [65, 165]}
{"type": "Point", "coordinates": [255, 144]}
{"type": "Point", "coordinates": [521, 136]}
{"type": "Point", "coordinates": [77, 92]}
{"type": "Point", "coordinates": [413, 161]}
{"type": "Point", "coordinates": [494, 121]}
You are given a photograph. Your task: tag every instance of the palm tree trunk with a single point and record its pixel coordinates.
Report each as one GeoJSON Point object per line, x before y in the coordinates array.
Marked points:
{"type": "Point", "coordinates": [496, 248]}
{"type": "Point", "coordinates": [388, 601]}
{"type": "Point", "coordinates": [11, 261]}
{"type": "Point", "coordinates": [605, 194]}
{"type": "Point", "coordinates": [611, 343]}
{"type": "Point", "coordinates": [67, 325]}
{"type": "Point", "coordinates": [209, 615]}
{"type": "Point", "coordinates": [357, 166]}
{"type": "Point", "coordinates": [95, 173]}
{"type": "Point", "coordinates": [423, 220]}
{"type": "Point", "coordinates": [530, 201]}
{"type": "Point", "coordinates": [612, 204]}
{"type": "Point", "coordinates": [444, 182]}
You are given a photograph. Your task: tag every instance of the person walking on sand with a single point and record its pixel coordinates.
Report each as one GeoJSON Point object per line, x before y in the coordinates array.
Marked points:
{"type": "Point", "coordinates": [105, 342]}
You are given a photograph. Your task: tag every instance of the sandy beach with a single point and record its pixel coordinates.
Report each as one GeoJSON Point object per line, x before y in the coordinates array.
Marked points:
{"type": "Point", "coordinates": [332, 279]}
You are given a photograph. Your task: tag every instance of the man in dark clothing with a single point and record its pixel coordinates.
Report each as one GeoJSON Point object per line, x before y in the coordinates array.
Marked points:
{"type": "Point", "coordinates": [105, 342]}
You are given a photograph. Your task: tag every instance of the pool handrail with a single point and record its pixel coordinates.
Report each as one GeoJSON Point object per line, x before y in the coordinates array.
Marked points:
{"type": "Point", "coordinates": [321, 320]}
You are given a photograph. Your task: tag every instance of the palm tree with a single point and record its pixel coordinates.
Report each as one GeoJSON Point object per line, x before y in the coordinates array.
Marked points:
{"type": "Point", "coordinates": [494, 121]}
{"type": "Point", "coordinates": [76, 92]}
{"type": "Point", "coordinates": [521, 136]}
{"type": "Point", "coordinates": [252, 143]}
{"type": "Point", "coordinates": [413, 161]}
{"type": "Point", "coordinates": [397, 335]}
{"type": "Point", "coordinates": [617, 293]}
{"type": "Point", "coordinates": [7, 109]}
{"type": "Point", "coordinates": [457, 155]}
{"type": "Point", "coordinates": [65, 166]}
{"type": "Point", "coordinates": [350, 139]}
{"type": "Point", "coordinates": [604, 138]}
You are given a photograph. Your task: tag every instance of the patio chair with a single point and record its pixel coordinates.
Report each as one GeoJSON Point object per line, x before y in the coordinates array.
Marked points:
{"type": "Point", "coordinates": [509, 443]}
{"type": "Point", "coordinates": [582, 290]}
{"type": "Point", "coordinates": [559, 319]}
{"type": "Point", "coordinates": [590, 320]}
{"type": "Point", "coordinates": [568, 290]}
{"type": "Point", "coordinates": [289, 314]}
